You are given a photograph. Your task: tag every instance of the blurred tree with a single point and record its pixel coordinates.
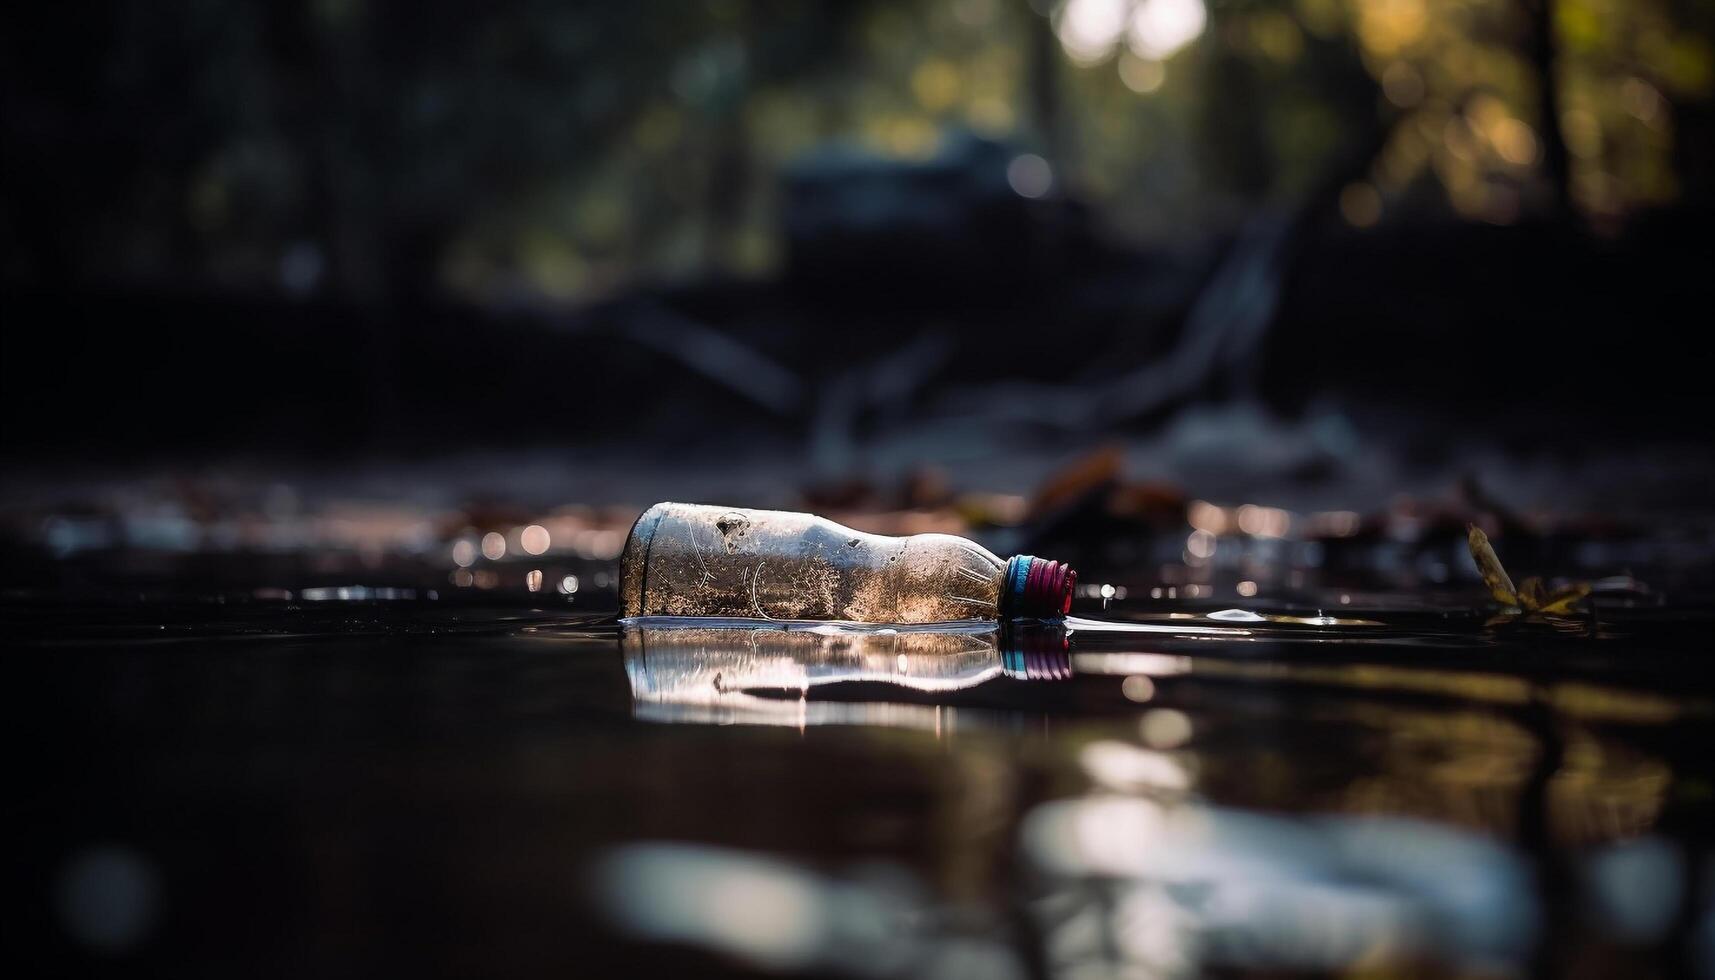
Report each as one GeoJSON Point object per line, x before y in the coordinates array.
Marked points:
{"type": "Point", "coordinates": [385, 151]}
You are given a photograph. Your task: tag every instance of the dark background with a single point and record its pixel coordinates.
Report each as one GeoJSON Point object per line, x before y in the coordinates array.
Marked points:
{"type": "Point", "coordinates": [887, 232]}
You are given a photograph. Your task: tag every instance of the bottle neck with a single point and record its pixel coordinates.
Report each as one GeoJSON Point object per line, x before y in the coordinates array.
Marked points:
{"type": "Point", "coordinates": [1036, 588]}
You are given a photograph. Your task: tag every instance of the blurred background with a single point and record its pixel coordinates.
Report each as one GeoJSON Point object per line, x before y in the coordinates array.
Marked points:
{"type": "Point", "coordinates": [407, 271]}
{"type": "Point", "coordinates": [265, 259]}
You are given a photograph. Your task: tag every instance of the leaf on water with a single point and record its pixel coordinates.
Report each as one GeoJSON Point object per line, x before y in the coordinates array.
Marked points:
{"type": "Point", "coordinates": [1563, 602]}
{"type": "Point", "coordinates": [1530, 598]}
{"type": "Point", "coordinates": [1494, 576]}
{"type": "Point", "coordinates": [1531, 594]}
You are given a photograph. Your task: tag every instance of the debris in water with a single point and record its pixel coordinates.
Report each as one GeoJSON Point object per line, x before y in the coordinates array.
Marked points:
{"type": "Point", "coordinates": [1530, 600]}
{"type": "Point", "coordinates": [693, 560]}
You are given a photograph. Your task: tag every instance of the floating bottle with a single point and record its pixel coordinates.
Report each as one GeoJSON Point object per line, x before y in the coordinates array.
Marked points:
{"type": "Point", "coordinates": [695, 560]}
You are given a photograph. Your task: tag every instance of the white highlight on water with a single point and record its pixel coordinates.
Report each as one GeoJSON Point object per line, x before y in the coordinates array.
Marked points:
{"type": "Point", "coordinates": [1076, 623]}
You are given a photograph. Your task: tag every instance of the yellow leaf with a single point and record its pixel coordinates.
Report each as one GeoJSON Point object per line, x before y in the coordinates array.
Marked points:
{"type": "Point", "coordinates": [1531, 594]}
{"type": "Point", "coordinates": [1563, 601]}
{"type": "Point", "coordinates": [1494, 576]}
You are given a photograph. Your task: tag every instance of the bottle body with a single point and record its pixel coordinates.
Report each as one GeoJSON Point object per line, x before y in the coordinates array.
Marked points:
{"type": "Point", "coordinates": [703, 561]}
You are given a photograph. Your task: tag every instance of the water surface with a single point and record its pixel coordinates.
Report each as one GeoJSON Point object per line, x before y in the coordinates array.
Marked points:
{"type": "Point", "coordinates": [376, 784]}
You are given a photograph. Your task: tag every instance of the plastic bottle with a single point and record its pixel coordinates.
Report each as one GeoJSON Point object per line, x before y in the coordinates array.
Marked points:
{"type": "Point", "coordinates": [695, 560]}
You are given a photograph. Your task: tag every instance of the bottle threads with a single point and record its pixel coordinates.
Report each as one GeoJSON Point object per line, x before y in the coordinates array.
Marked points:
{"type": "Point", "coordinates": [1037, 587]}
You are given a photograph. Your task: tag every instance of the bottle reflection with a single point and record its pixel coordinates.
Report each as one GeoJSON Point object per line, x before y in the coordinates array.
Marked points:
{"type": "Point", "coordinates": [761, 674]}
{"type": "Point", "coordinates": [1186, 854]}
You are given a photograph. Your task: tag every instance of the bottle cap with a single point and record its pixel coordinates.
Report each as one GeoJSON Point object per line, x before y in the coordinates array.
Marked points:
{"type": "Point", "coordinates": [1037, 587]}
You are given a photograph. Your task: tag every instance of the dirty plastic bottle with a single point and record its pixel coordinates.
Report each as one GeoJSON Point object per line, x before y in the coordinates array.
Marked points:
{"type": "Point", "coordinates": [696, 560]}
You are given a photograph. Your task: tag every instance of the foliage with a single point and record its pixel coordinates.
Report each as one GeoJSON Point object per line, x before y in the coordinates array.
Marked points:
{"type": "Point", "coordinates": [1531, 599]}
{"type": "Point", "coordinates": [560, 151]}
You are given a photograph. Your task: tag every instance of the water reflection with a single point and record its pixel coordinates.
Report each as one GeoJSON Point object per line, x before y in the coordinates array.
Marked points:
{"type": "Point", "coordinates": [1201, 802]}
{"type": "Point", "coordinates": [1122, 886]}
{"type": "Point", "coordinates": [1179, 889]}
{"type": "Point", "coordinates": [762, 671]}
{"type": "Point", "coordinates": [775, 914]}
{"type": "Point", "coordinates": [727, 671]}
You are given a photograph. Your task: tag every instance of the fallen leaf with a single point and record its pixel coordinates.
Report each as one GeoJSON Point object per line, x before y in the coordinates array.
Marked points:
{"type": "Point", "coordinates": [1530, 598]}
{"type": "Point", "coordinates": [1531, 594]}
{"type": "Point", "coordinates": [1494, 576]}
{"type": "Point", "coordinates": [1564, 601]}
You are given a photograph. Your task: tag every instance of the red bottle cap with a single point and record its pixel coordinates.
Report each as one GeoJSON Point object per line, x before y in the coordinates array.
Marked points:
{"type": "Point", "coordinates": [1036, 587]}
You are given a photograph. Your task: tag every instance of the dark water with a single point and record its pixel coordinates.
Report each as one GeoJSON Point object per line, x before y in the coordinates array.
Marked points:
{"type": "Point", "coordinates": [365, 786]}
